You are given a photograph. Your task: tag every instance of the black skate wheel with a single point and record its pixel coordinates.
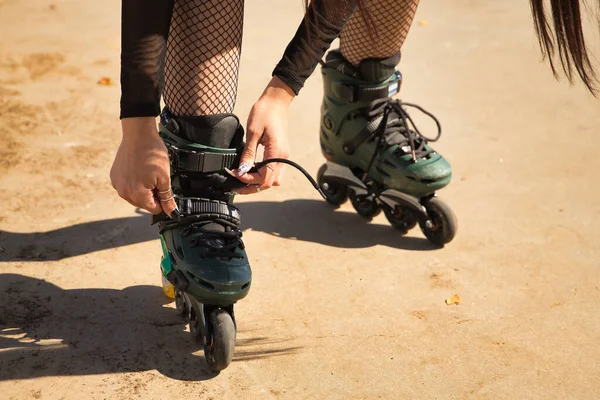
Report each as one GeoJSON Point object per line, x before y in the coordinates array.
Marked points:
{"type": "Point", "coordinates": [335, 193]}
{"type": "Point", "coordinates": [442, 225]}
{"type": "Point", "coordinates": [401, 218]}
{"type": "Point", "coordinates": [196, 328]}
{"type": "Point", "coordinates": [365, 206]}
{"type": "Point", "coordinates": [180, 305]}
{"type": "Point", "coordinates": [222, 344]}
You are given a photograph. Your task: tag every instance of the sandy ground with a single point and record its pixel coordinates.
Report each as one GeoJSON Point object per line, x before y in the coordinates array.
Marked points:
{"type": "Point", "coordinates": [340, 308]}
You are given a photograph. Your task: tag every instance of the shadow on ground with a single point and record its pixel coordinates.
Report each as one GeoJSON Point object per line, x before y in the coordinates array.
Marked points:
{"type": "Point", "coordinates": [48, 331]}
{"type": "Point", "coordinates": [305, 220]}
{"type": "Point", "coordinates": [316, 221]}
{"type": "Point", "coordinates": [76, 240]}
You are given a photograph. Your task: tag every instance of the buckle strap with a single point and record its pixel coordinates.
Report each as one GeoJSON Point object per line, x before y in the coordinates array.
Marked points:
{"type": "Point", "coordinates": [355, 93]}
{"type": "Point", "coordinates": [199, 161]}
{"type": "Point", "coordinates": [195, 205]}
{"type": "Point", "coordinates": [193, 160]}
{"type": "Point", "coordinates": [196, 208]}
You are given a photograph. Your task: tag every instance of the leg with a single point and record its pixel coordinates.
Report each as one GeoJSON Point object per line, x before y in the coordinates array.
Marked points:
{"type": "Point", "coordinates": [203, 55]}
{"type": "Point", "coordinates": [376, 155]}
{"type": "Point", "coordinates": [379, 34]}
{"type": "Point", "coordinates": [203, 255]}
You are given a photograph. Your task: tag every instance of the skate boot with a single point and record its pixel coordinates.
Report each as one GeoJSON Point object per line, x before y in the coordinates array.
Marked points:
{"type": "Point", "coordinates": [375, 154]}
{"type": "Point", "coordinates": [203, 254]}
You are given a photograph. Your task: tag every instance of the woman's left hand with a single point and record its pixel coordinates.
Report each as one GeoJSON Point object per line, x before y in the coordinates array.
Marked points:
{"type": "Point", "coordinates": [267, 125]}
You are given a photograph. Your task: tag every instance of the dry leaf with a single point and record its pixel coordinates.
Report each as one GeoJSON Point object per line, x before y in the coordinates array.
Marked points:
{"type": "Point", "coordinates": [105, 81]}
{"type": "Point", "coordinates": [454, 299]}
{"type": "Point", "coordinates": [423, 23]}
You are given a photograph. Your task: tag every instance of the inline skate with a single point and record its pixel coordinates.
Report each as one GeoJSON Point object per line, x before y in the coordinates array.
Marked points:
{"type": "Point", "coordinates": [204, 265]}
{"type": "Point", "coordinates": [376, 156]}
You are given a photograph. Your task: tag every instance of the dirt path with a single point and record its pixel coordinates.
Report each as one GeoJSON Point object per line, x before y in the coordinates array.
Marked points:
{"type": "Point", "coordinates": [339, 309]}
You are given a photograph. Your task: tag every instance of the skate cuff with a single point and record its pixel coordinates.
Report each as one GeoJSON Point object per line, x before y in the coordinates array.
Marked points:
{"type": "Point", "coordinates": [193, 159]}
{"type": "Point", "coordinates": [353, 94]}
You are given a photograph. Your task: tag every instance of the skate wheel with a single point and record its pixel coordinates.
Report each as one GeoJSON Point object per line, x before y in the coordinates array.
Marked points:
{"type": "Point", "coordinates": [401, 218]}
{"type": "Point", "coordinates": [196, 330]}
{"type": "Point", "coordinates": [336, 193]}
{"type": "Point", "coordinates": [365, 206]}
{"type": "Point", "coordinates": [168, 288]}
{"type": "Point", "coordinates": [222, 344]}
{"type": "Point", "coordinates": [443, 225]}
{"type": "Point", "coordinates": [180, 305]}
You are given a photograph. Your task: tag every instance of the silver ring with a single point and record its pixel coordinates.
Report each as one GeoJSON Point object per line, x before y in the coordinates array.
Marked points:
{"type": "Point", "coordinates": [167, 199]}
{"type": "Point", "coordinates": [164, 191]}
{"type": "Point", "coordinates": [257, 188]}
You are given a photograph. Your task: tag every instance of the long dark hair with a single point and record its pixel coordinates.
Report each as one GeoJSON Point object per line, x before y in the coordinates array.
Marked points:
{"type": "Point", "coordinates": [562, 33]}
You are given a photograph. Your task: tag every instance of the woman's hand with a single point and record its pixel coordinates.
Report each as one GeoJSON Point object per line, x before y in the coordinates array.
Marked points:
{"type": "Point", "coordinates": [267, 125]}
{"type": "Point", "coordinates": [140, 172]}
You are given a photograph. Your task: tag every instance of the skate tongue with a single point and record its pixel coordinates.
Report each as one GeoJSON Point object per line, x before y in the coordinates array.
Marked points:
{"type": "Point", "coordinates": [398, 134]}
{"type": "Point", "coordinates": [396, 128]}
{"type": "Point", "coordinates": [379, 69]}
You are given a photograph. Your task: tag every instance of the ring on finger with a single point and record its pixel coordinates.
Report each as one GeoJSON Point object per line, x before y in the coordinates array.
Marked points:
{"type": "Point", "coordinates": [271, 167]}
{"type": "Point", "coordinates": [164, 191]}
{"type": "Point", "coordinates": [257, 188]}
{"type": "Point", "coordinates": [167, 199]}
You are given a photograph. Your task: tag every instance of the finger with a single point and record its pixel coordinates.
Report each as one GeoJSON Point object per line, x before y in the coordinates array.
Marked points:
{"type": "Point", "coordinates": [251, 189]}
{"type": "Point", "coordinates": [164, 196]}
{"type": "Point", "coordinates": [278, 177]}
{"type": "Point", "coordinates": [114, 178]}
{"type": "Point", "coordinates": [269, 174]}
{"type": "Point", "coordinates": [123, 193]}
{"type": "Point", "coordinates": [264, 177]}
{"type": "Point", "coordinates": [249, 155]}
{"type": "Point", "coordinates": [271, 171]}
{"type": "Point", "coordinates": [146, 199]}
{"type": "Point", "coordinates": [253, 178]}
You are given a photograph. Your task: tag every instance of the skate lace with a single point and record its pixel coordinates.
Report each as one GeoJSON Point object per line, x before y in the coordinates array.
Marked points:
{"type": "Point", "coordinates": [218, 244]}
{"type": "Point", "coordinates": [314, 183]}
{"type": "Point", "coordinates": [398, 128]}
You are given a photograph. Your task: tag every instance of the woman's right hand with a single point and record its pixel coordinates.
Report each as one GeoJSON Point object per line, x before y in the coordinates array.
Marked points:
{"type": "Point", "coordinates": [140, 172]}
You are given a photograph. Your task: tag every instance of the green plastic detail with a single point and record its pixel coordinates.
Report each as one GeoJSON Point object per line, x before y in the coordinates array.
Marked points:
{"type": "Point", "coordinates": [165, 263]}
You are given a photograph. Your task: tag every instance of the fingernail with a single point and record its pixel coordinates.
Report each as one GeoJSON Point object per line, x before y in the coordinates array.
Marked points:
{"type": "Point", "coordinates": [230, 172]}
{"type": "Point", "coordinates": [242, 169]}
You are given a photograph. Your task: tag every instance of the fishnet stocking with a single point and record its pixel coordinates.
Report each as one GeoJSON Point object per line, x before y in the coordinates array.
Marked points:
{"type": "Point", "coordinates": [203, 54]}
{"type": "Point", "coordinates": [391, 19]}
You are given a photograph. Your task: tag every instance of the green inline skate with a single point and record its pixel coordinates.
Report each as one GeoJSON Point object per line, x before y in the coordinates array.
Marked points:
{"type": "Point", "coordinates": [204, 257]}
{"type": "Point", "coordinates": [376, 156]}
{"type": "Point", "coordinates": [204, 265]}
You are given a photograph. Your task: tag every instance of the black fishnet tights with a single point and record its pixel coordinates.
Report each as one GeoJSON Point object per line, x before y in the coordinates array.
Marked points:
{"type": "Point", "coordinates": [205, 40]}
{"type": "Point", "coordinates": [391, 21]}
{"type": "Point", "coordinates": [202, 56]}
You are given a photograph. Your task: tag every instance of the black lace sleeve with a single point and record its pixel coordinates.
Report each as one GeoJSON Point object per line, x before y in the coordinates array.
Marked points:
{"type": "Point", "coordinates": [144, 31]}
{"type": "Point", "coordinates": [324, 22]}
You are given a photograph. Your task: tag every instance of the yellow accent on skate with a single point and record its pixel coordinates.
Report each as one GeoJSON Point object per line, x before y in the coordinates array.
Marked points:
{"type": "Point", "coordinates": [168, 288]}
